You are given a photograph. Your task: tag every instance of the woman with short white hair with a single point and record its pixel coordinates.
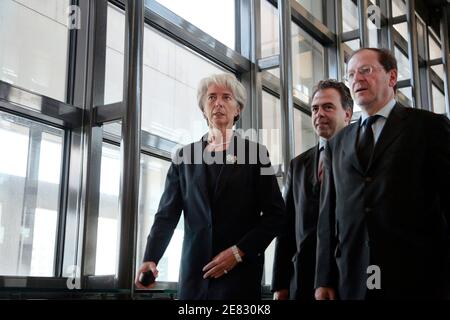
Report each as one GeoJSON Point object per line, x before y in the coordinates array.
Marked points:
{"type": "Point", "coordinates": [232, 207]}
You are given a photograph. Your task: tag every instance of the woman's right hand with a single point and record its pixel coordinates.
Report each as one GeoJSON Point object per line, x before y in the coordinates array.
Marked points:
{"type": "Point", "coordinates": [146, 266]}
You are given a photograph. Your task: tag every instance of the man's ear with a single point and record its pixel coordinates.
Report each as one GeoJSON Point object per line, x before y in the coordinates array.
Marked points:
{"type": "Point", "coordinates": [348, 115]}
{"type": "Point", "coordinates": [393, 74]}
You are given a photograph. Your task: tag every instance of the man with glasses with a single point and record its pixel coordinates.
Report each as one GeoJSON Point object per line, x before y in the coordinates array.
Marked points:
{"type": "Point", "coordinates": [383, 230]}
{"type": "Point", "coordinates": [295, 250]}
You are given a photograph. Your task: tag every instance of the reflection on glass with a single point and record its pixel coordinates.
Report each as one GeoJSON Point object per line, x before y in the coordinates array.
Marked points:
{"type": "Point", "coordinates": [27, 58]}
{"type": "Point", "coordinates": [171, 74]}
{"type": "Point", "coordinates": [407, 91]}
{"type": "Point", "coordinates": [307, 62]}
{"type": "Point", "coordinates": [398, 8]}
{"type": "Point", "coordinates": [275, 72]}
{"type": "Point", "coordinates": [108, 214]}
{"type": "Point", "coordinates": [402, 28]}
{"type": "Point", "coordinates": [404, 71]}
{"type": "Point", "coordinates": [435, 48]}
{"type": "Point", "coordinates": [314, 7]}
{"type": "Point", "coordinates": [349, 16]}
{"type": "Point", "coordinates": [353, 44]}
{"type": "Point", "coordinates": [30, 169]}
{"type": "Point", "coordinates": [115, 48]}
{"type": "Point", "coordinates": [152, 179]}
{"type": "Point", "coordinates": [374, 34]}
{"type": "Point", "coordinates": [201, 13]}
{"type": "Point", "coordinates": [438, 100]}
{"type": "Point", "coordinates": [269, 30]}
{"type": "Point", "coordinates": [270, 136]}
{"type": "Point", "coordinates": [304, 134]}
{"type": "Point", "coordinates": [439, 70]}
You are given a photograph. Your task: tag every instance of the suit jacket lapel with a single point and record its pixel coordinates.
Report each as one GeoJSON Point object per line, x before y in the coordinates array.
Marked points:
{"type": "Point", "coordinates": [350, 146]}
{"type": "Point", "coordinates": [392, 128]}
{"type": "Point", "coordinates": [314, 166]}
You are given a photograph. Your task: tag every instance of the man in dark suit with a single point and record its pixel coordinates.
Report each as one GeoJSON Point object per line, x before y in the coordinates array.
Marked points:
{"type": "Point", "coordinates": [383, 230]}
{"type": "Point", "coordinates": [295, 250]}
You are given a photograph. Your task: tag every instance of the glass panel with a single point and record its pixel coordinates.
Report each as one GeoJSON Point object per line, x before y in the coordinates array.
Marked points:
{"type": "Point", "coordinates": [30, 170]}
{"type": "Point", "coordinates": [275, 72]}
{"type": "Point", "coordinates": [402, 28]}
{"type": "Point", "coordinates": [201, 14]}
{"type": "Point", "coordinates": [115, 48]}
{"type": "Point", "coordinates": [438, 100]}
{"type": "Point", "coordinates": [108, 214]}
{"type": "Point", "coordinates": [307, 61]}
{"type": "Point", "coordinates": [407, 91]}
{"type": "Point", "coordinates": [304, 134]}
{"type": "Point", "coordinates": [353, 44]}
{"type": "Point", "coordinates": [374, 34]}
{"type": "Point", "coordinates": [435, 48]}
{"type": "Point", "coordinates": [404, 71]}
{"type": "Point", "coordinates": [314, 7]}
{"type": "Point", "coordinates": [398, 8]}
{"type": "Point", "coordinates": [439, 69]}
{"type": "Point", "coordinates": [153, 177]}
{"type": "Point", "coordinates": [349, 16]}
{"type": "Point", "coordinates": [270, 136]}
{"type": "Point", "coordinates": [269, 30]}
{"type": "Point", "coordinates": [170, 77]}
{"type": "Point", "coordinates": [33, 52]}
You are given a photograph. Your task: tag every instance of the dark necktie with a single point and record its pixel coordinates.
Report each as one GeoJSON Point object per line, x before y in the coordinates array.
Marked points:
{"type": "Point", "coordinates": [320, 164]}
{"type": "Point", "coordinates": [366, 142]}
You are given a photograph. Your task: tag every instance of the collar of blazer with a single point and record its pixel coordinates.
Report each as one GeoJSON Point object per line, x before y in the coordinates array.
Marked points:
{"type": "Point", "coordinates": [394, 125]}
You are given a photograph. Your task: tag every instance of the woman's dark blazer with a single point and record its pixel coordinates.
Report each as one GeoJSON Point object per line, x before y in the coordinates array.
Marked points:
{"type": "Point", "coordinates": [246, 210]}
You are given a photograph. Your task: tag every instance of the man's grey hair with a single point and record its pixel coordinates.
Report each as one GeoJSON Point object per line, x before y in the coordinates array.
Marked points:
{"type": "Point", "coordinates": [222, 80]}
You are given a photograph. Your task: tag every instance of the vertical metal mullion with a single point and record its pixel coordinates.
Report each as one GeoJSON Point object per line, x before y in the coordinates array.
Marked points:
{"type": "Point", "coordinates": [130, 143]}
{"type": "Point", "coordinates": [286, 91]}
{"type": "Point", "coordinates": [445, 43]}
{"type": "Point", "coordinates": [64, 177]}
{"type": "Point", "coordinates": [251, 43]}
{"type": "Point", "coordinates": [384, 10]}
{"type": "Point", "coordinates": [333, 57]}
{"type": "Point", "coordinates": [340, 50]}
{"type": "Point", "coordinates": [363, 30]}
{"type": "Point", "coordinates": [412, 53]}
{"type": "Point", "coordinates": [425, 77]}
{"type": "Point", "coordinates": [390, 35]}
{"type": "Point", "coordinates": [92, 137]}
{"type": "Point", "coordinates": [62, 206]}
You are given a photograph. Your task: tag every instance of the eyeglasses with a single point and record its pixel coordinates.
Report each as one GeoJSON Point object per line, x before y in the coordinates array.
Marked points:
{"type": "Point", "coordinates": [364, 71]}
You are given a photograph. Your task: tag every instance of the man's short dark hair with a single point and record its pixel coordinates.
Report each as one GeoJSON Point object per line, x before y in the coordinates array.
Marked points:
{"type": "Point", "coordinates": [385, 57]}
{"type": "Point", "coordinates": [344, 92]}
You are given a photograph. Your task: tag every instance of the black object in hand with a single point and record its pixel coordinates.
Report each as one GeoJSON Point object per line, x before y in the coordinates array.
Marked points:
{"type": "Point", "coordinates": [147, 278]}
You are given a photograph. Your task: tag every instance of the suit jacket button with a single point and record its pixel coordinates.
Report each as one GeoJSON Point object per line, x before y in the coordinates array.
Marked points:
{"type": "Point", "coordinates": [368, 243]}
{"type": "Point", "coordinates": [369, 179]}
{"type": "Point", "coordinates": [368, 210]}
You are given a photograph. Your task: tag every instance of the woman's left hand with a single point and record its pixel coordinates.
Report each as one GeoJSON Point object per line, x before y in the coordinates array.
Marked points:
{"type": "Point", "coordinates": [220, 265]}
